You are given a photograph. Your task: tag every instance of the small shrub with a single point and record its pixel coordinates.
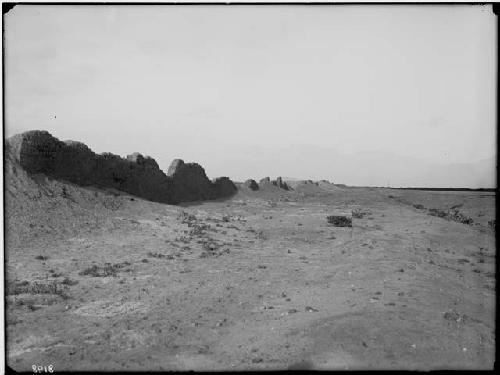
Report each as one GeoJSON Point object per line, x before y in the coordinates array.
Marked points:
{"type": "Point", "coordinates": [261, 235]}
{"type": "Point", "coordinates": [437, 212]}
{"type": "Point", "coordinates": [68, 281]}
{"type": "Point", "coordinates": [185, 217]}
{"type": "Point", "coordinates": [183, 239]}
{"type": "Point", "coordinates": [492, 224]}
{"type": "Point", "coordinates": [156, 255]}
{"type": "Point", "coordinates": [26, 287]}
{"type": "Point", "coordinates": [198, 229]}
{"type": "Point", "coordinates": [31, 306]}
{"type": "Point", "coordinates": [210, 246]}
{"type": "Point", "coordinates": [104, 271]}
{"type": "Point", "coordinates": [358, 213]}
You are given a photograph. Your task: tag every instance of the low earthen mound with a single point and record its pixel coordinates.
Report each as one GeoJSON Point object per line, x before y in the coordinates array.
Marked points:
{"type": "Point", "coordinates": [39, 152]}
{"type": "Point", "coordinates": [310, 187]}
{"type": "Point", "coordinates": [327, 185]}
{"type": "Point", "coordinates": [294, 183]}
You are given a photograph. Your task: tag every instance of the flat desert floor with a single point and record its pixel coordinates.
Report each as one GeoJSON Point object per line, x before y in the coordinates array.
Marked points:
{"type": "Point", "coordinates": [104, 281]}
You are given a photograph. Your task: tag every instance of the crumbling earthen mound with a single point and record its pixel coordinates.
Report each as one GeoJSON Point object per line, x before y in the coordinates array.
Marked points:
{"type": "Point", "coordinates": [264, 181]}
{"type": "Point", "coordinates": [281, 184]}
{"type": "Point", "coordinates": [267, 184]}
{"type": "Point", "coordinates": [223, 187]}
{"type": "Point", "coordinates": [39, 152]}
{"type": "Point", "coordinates": [251, 184]}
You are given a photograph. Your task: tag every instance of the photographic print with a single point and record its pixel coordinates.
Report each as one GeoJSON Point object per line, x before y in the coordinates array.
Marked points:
{"type": "Point", "coordinates": [249, 187]}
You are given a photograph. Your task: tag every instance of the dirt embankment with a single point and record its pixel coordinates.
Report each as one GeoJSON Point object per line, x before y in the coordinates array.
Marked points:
{"type": "Point", "coordinates": [40, 152]}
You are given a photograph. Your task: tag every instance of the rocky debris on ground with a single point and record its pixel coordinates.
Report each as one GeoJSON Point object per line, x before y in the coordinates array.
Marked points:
{"type": "Point", "coordinates": [452, 214]}
{"type": "Point", "coordinates": [36, 287]}
{"type": "Point", "coordinates": [105, 271]}
{"type": "Point", "coordinates": [339, 220]}
{"type": "Point", "coordinates": [455, 316]}
{"type": "Point", "coordinates": [39, 152]}
{"type": "Point", "coordinates": [358, 213]}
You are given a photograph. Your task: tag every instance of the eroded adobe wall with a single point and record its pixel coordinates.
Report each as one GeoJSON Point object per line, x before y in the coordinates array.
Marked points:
{"type": "Point", "coordinates": [40, 152]}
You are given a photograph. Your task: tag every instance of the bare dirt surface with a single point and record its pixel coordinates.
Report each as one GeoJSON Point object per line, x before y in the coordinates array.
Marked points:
{"type": "Point", "coordinates": [105, 281]}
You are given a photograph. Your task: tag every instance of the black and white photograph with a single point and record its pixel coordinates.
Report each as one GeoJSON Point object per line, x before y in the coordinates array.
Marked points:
{"type": "Point", "coordinates": [249, 187]}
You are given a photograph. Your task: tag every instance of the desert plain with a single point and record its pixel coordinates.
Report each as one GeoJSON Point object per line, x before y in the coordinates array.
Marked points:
{"type": "Point", "coordinates": [101, 280]}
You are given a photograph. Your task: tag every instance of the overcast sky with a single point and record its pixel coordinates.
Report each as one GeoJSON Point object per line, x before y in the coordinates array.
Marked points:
{"type": "Point", "coordinates": [240, 88]}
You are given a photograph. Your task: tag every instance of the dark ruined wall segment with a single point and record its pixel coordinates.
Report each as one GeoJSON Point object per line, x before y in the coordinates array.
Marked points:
{"type": "Point", "coordinates": [39, 152]}
{"type": "Point", "coordinates": [190, 182]}
{"type": "Point", "coordinates": [223, 187]}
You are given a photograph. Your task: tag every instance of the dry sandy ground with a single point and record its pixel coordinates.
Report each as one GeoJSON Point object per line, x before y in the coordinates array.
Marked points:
{"type": "Point", "coordinates": [260, 281]}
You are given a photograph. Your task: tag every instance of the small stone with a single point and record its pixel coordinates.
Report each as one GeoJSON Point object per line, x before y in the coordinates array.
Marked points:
{"type": "Point", "coordinates": [311, 309]}
{"type": "Point", "coordinates": [452, 316]}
